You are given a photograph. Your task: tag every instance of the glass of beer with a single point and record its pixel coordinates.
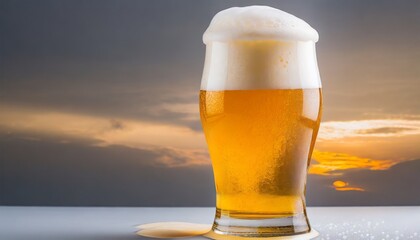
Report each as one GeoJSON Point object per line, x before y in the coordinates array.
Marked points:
{"type": "Point", "coordinates": [260, 107]}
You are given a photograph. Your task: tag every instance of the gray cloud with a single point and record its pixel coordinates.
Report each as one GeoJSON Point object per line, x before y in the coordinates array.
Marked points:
{"type": "Point", "coordinates": [111, 59]}
{"type": "Point", "coordinates": [123, 58]}
{"type": "Point", "coordinates": [115, 124]}
{"type": "Point", "coordinates": [395, 186]}
{"type": "Point", "coordinates": [76, 173]}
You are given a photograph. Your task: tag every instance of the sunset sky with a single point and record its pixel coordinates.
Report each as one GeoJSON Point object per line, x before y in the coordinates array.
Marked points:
{"type": "Point", "coordinates": [99, 102]}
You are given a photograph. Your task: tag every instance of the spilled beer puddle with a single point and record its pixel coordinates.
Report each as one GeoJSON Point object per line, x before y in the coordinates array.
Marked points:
{"type": "Point", "coordinates": [173, 229]}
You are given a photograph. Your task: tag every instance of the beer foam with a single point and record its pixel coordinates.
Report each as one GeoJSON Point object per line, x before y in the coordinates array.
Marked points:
{"type": "Point", "coordinates": [258, 22]}
{"type": "Point", "coordinates": [259, 47]}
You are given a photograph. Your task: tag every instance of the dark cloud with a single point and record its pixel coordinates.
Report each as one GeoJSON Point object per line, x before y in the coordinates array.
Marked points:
{"type": "Point", "coordinates": [115, 124]}
{"type": "Point", "coordinates": [121, 58]}
{"type": "Point", "coordinates": [157, 114]}
{"type": "Point", "coordinates": [48, 171]}
{"type": "Point", "coordinates": [116, 59]}
{"type": "Point", "coordinates": [76, 173]}
{"type": "Point", "coordinates": [395, 186]}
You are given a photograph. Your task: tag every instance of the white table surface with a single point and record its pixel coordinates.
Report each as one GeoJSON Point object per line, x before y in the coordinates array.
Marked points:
{"type": "Point", "coordinates": [98, 223]}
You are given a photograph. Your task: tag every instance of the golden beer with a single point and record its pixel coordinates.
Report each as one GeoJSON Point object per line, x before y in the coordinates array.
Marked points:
{"type": "Point", "coordinates": [260, 143]}
{"type": "Point", "coordinates": [260, 108]}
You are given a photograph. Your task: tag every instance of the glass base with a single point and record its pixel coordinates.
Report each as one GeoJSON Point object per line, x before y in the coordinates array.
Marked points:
{"type": "Point", "coordinates": [260, 225]}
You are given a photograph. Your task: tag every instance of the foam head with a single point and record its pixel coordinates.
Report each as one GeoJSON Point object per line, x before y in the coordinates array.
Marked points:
{"type": "Point", "coordinates": [258, 22]}
{"type": "Point", "coordinates": [259, 47]}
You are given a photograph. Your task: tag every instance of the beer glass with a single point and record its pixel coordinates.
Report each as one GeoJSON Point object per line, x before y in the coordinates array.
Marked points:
{"type": "Point", "coordinates": [260, 108]}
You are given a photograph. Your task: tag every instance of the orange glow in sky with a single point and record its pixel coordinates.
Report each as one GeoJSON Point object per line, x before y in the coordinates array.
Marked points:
{"type": "Point", "coordinates": [331, 163]}
{"type": "Point", "coordinates": [344, 186]}
{"type": "Point", "coordinates": [342, 146]}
